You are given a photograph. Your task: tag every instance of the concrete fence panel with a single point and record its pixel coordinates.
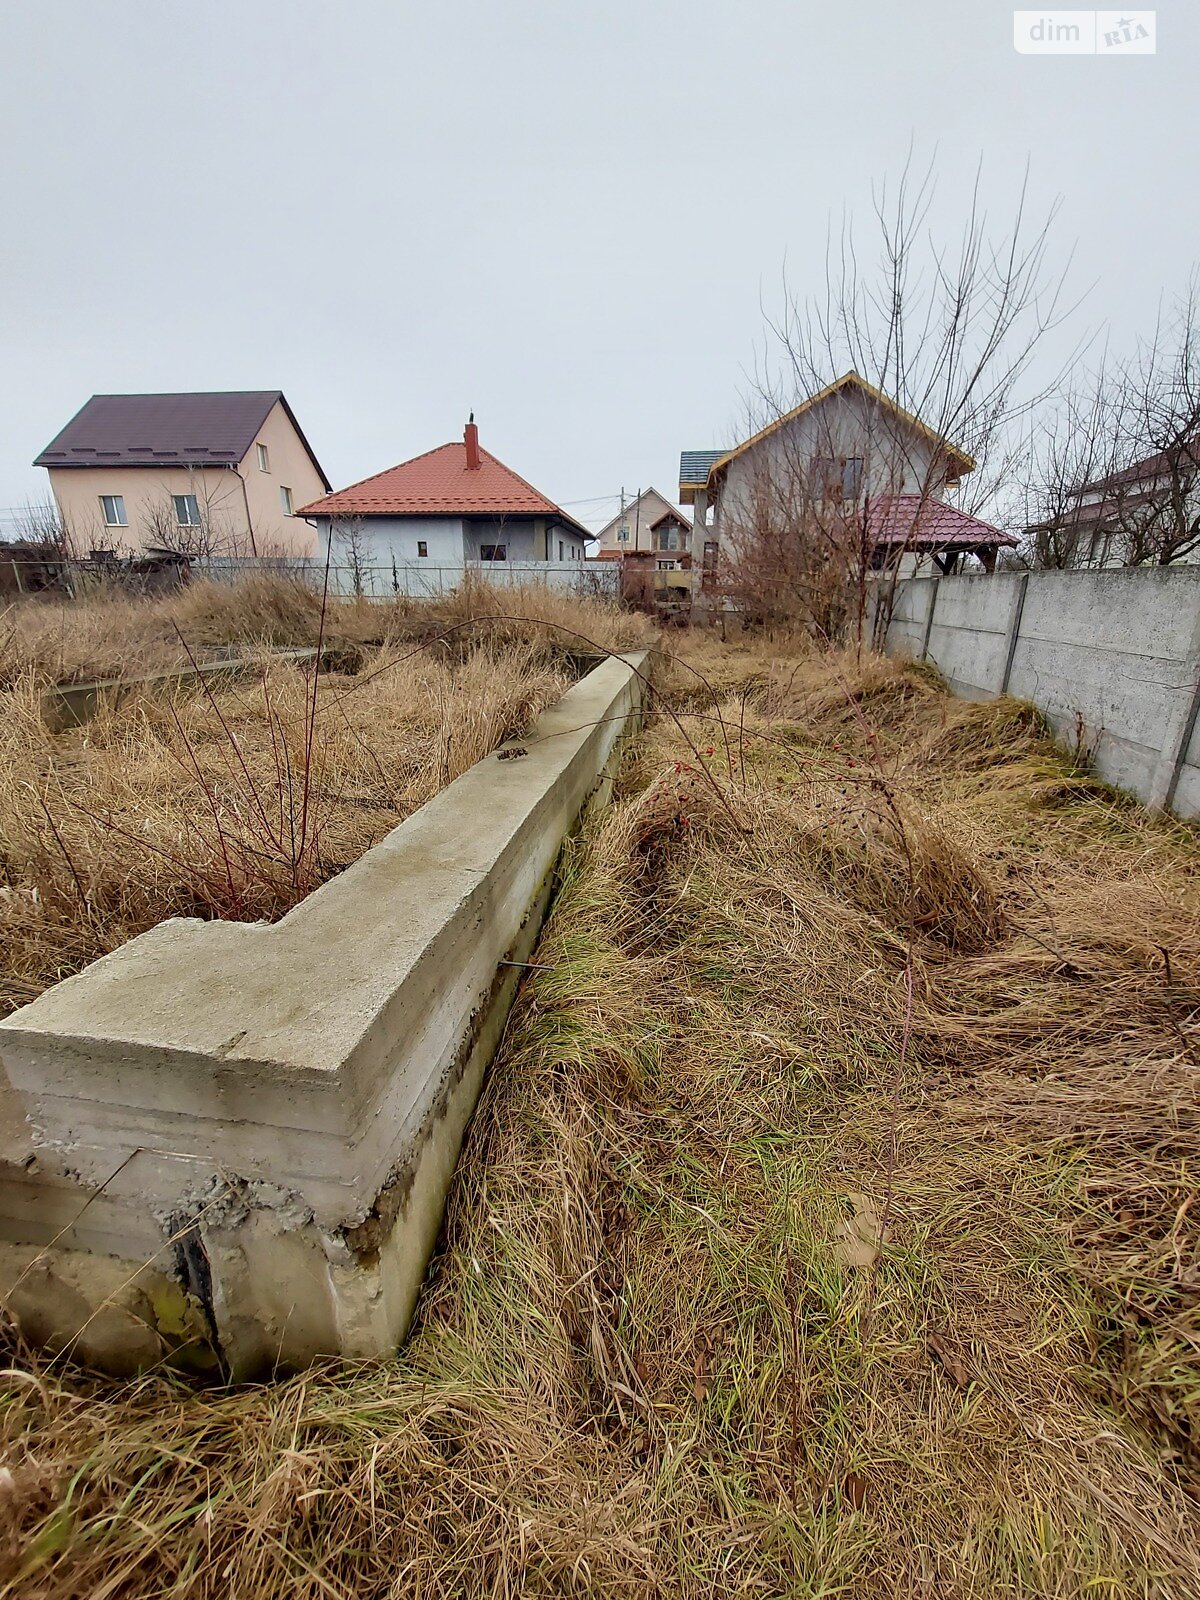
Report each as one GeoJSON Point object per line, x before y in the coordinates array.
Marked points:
{"type": "Point", "coordinates": [1112, 658]}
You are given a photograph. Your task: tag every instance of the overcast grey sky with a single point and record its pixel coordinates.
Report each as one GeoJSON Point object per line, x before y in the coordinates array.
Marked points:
{"type": "Point", "coordinates": [563, 214]}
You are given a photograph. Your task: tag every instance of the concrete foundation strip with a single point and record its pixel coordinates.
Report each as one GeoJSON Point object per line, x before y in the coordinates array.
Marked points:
{"type": "Point", "coordinates": [287, 1100]}
{"type": "Point", "coordinates": [70, 705]}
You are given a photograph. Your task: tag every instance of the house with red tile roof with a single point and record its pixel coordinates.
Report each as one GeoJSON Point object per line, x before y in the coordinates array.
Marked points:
{"type": "Point", "coordinates": [446, 510]}
{"type": "Point", "coordinates": [849, 453]}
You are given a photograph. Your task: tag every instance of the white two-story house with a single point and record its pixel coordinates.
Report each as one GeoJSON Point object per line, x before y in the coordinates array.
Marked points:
{"type": "Point", "coordinates": [848, 452]}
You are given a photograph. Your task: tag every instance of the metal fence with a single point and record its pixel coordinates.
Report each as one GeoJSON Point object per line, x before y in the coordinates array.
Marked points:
{"type": "Point", "coordinates": [420, 579]}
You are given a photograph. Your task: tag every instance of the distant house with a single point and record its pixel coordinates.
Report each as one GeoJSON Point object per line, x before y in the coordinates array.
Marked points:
{"type": "Point", "coordinates": [444, 510]}
{"type": "Point", "coordinates": [847, 454]}
{"type": "Point", "coordinates": [1144, 514]}
{"type": "Point", "coordinates": [652, 540]}
{"type": "Point", "coordinates": [208, 473]}
{"type": "Point", "coordinates": [629, 532]}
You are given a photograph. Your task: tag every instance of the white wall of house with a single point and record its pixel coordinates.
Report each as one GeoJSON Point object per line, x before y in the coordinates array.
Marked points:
{"type": "Point", "coordinates": [383, 540]}
{"type": "Point", "coordinates": [897, 458]}
{"type": "Point", "coordinates": [418, 555]}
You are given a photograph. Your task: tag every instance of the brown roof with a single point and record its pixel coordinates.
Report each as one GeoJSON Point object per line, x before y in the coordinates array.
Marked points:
{"type": "Point", "coordinates": [441, 484]}
{"type": "Point", "coordinates": [1183, 458]}
{"type": "Point", "coordinates": [923, 524]}
{"type": "Point", "coordinates": [165, 430]}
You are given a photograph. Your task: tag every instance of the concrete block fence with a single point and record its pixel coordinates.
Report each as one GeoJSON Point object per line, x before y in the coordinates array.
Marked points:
{"type": "Point", "coordinates": [1112, 658]}
{"type": "Point", "coordinates": [231, 1143]}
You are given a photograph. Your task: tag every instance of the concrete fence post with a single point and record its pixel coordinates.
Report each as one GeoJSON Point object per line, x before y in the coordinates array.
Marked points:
{"type": "Point", "coordinates": [1014, 630]}
{"type": "Point", "coordinates": [933, 594]}
{"type": "Point", "coordinates": [1179, 731]}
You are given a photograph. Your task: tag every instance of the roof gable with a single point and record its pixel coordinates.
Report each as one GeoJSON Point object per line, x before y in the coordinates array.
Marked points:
{"type": "Point", "coordinates": [645, 504]}
{"type": "Point", "coordinates": [959, 459]}
{"type": "Point", "coordinates": [440, 483]}
{"type": "Point", "coordinates": [215, 428]}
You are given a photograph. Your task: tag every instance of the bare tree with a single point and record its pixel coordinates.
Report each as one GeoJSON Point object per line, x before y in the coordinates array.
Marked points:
{"type": "Point", "coordinates": [1118, 463]}
{"type": "Point", "coordinates": [350, 536]}
{"type": "Point", "coordinates": [947, 332]}
{"type": "Point", "coordinates": [202, 521]}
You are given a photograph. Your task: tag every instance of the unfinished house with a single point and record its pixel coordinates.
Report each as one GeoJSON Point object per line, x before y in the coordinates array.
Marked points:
{"type": "Point", "coordinates": [846, 471]}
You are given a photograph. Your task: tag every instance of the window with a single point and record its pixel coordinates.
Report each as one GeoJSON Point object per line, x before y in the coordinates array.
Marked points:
{"type": "Point", "coordinates": [264, 460]}
{"type": "Point", "coordinates": [422, 547]}
{"type": "Point", "coordinates": [560, 550]}
{"type": "Point", "coordinates": [187, 512]}
{"type": "Point", "coordinates": [835, 477]}
{"type": "Point", "coordinates": [112, 508]}
{"type": "Point", "coordinates": [285, 499]}
{"type": "Point", "coordinates": [710, 554]}
{"type": "Point", "coordinates": [493, 552]}
{"type": "Point", "coordinates": [623, 533]}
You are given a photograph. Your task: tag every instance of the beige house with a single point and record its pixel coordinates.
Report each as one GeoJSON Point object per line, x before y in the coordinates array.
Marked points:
{"type": "Point", "coordinates": [206, 474]}
{"type": "Point", "coordinates": [631, 531]}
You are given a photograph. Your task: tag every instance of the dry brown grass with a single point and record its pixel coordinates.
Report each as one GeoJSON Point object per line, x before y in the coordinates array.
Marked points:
{"type": "Point", "coordinates": [231, 803]}
{"type": "Point", "coordinates": [113, 635]}
{"type": "Point", "coordinates": [851, 974]}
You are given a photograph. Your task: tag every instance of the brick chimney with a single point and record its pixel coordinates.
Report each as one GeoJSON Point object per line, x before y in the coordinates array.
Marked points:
{"type": "Point", "coordinates": [471, 440]}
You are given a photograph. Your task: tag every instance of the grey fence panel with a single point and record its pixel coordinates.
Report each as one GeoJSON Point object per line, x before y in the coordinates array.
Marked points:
{"type": "Point", "coordinates": [420, 580]}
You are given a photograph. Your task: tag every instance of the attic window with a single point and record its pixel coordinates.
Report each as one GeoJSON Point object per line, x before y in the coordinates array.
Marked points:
{"type": "Point", "coordinates": [264, 460]}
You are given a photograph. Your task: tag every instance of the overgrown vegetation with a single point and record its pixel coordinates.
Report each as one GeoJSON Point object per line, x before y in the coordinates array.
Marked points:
{"type": "Point", "coordinates": [826, 1225]}
{"type": "Point", "coordinates": [113, 635]}
{"type": "Point", "coordinates": [236, 801]}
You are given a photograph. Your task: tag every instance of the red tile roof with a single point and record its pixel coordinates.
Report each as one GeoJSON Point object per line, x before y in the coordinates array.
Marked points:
{"type": "Point", "coordinates": [440, 484]}
{"type": "Point", "coordinates": [930, 525]}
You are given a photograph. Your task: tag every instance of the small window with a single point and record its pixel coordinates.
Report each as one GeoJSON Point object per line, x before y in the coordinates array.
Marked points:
{"type": "Point", "coordinates": [623, 533]}
{"type": "Point", "coordinates": [264, 460]}
{"type": "Point", "coordinates": [852, 475]}
{"type": "Point", "coordinates": [285, 499]}
{"type": "Point", "coordinates": [112, 507]}
{"type": "Point", "coordinates": [422, 547]}
{"type": "Point", "coordinates": [493, 552]}
{"type": "Point", "coordinates": [187, 512]}
{"type": "Point", "coordinates": [560, 550]}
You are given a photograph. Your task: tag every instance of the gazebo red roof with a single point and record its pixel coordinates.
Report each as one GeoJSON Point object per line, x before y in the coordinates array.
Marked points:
{"type": "Point", "coordinates": [919, 523]}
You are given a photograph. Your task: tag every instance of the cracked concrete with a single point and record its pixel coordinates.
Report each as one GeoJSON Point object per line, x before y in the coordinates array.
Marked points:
{"type": "Point", "coordinates": [297, 1093]}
